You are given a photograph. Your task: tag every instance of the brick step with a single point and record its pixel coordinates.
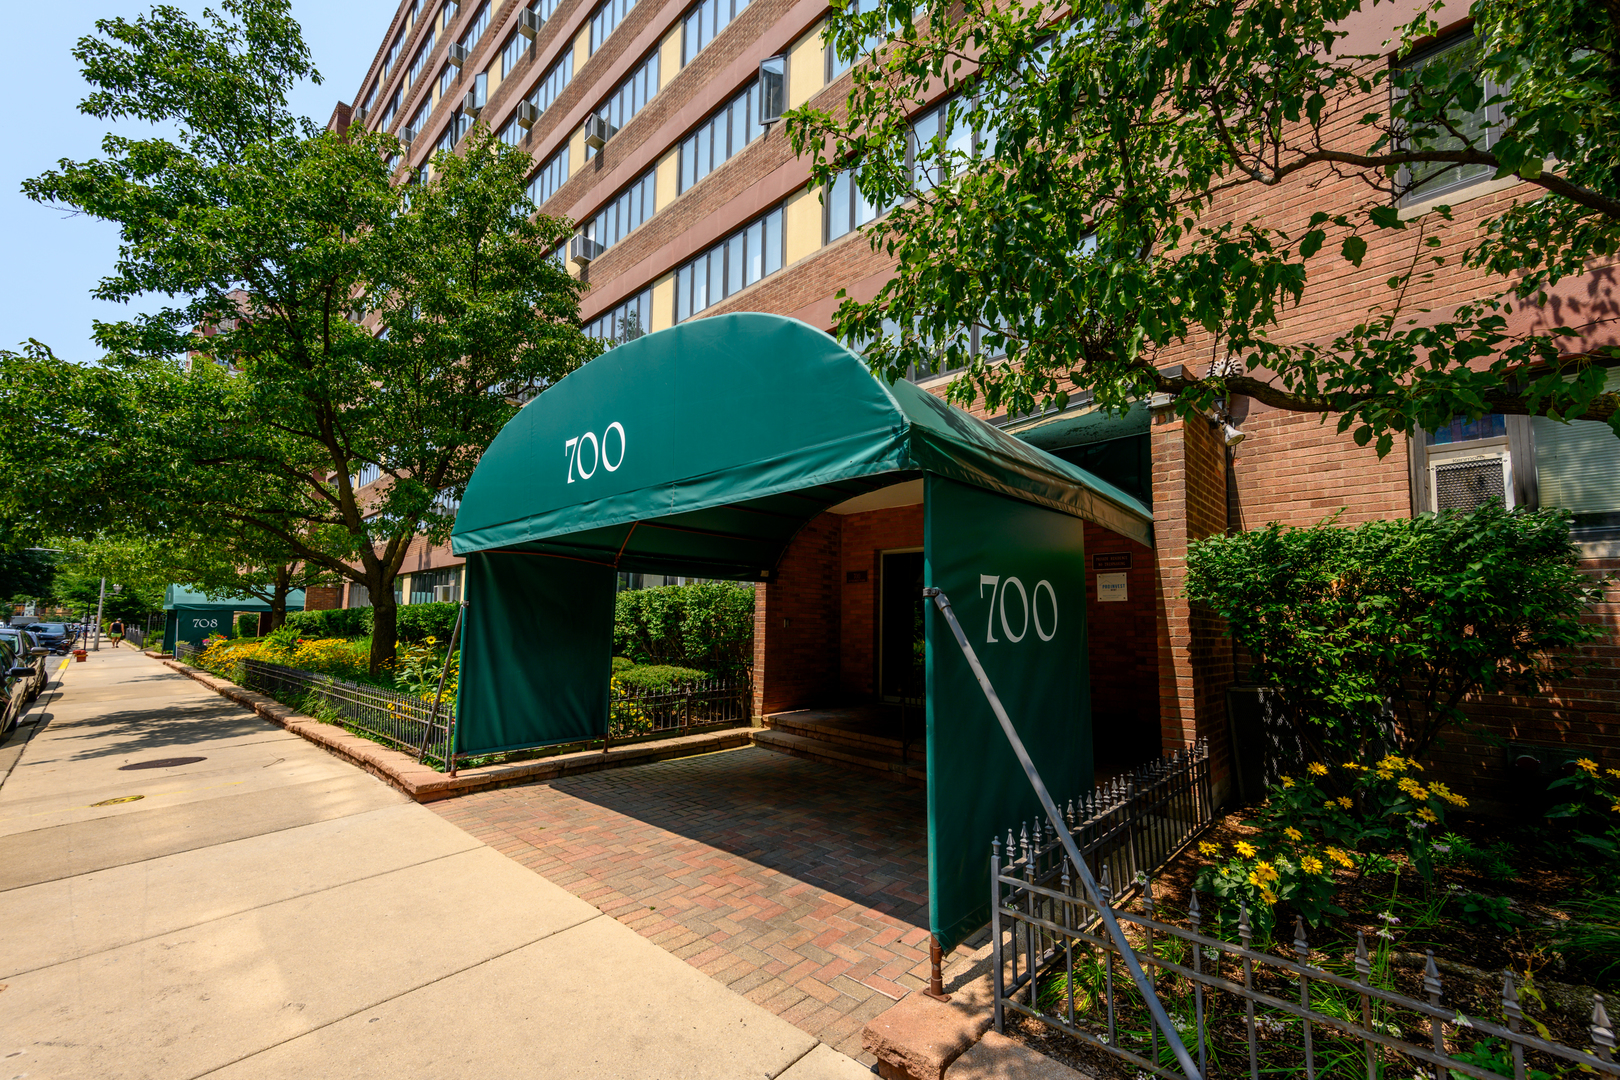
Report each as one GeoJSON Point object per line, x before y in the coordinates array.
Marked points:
{"type": "Point", "coordinates": [867, 759]}
{"type": "Point", "coordinates": [815, 725]}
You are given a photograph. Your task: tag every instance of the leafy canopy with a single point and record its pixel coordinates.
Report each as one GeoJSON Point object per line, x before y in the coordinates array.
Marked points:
{"type": "Point", "coordinates": [1116, 210]}
{"type": "Point", "coordinates": [336, 323]}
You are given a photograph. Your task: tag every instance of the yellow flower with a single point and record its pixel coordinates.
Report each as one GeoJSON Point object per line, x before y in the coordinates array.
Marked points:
{"type": "Point", "coordinates": [1344, 801]}
{"type": "Point", "coordinates": [1340, 856]}
{"type": "Point", "coordinates": [1316, 768]}
{"type": "Point", "coordinates": [430, 641]}
{"type": "Point", "coordinates": [1427, 815]}
{"type": "Point", "coordinates": [1312, 865]}
{"type": "Point", "coordinates": [1616, 806]}
{"type": "Point", "coordinates": [1392, 763]}
{"type": "Point", "coordinates": [1588, 766]}
{"type": "Point", "coordinates": [1245, 849]}
{"type": "Point", "coordinates": [1287, 781]}
{"type": "Point", "coordinates": [1209, 849]}
{"type": "Point", "coordinates": [1268, 896]}
{"type": "Point", "coordinates": [1355, 766]}
{"type": "Point", "coordinates": [1293, 834]}
{"type": "Point", "coordinates": [1266, 872]}
{"type": "Point", "coordinates": [1254, 878]}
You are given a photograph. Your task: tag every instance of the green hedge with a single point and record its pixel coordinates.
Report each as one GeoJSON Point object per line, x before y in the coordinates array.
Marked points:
{"type": "Point", "coordinates": [621, 663]}
{"type": "Point", "coordinates": [709, 624]}
{"type": "Point", "coordinates": [413, 623]}
{"type": "Point", "coordinates": [658, 677]}
{"type": "Point", "coordinates": [247, 625]}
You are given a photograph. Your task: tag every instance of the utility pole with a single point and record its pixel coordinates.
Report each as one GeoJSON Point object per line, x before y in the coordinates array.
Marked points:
{"type": "Point", "coordinates": [100, 600]}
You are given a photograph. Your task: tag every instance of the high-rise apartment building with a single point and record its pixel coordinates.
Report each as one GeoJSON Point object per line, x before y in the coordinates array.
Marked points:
{"type": "Point", "coordinates": [643, 121]}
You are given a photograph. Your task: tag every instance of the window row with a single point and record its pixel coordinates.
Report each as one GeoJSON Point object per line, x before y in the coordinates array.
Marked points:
{"type": "Point", "coordinates": [475, 32]}
{"type": "Point", "coordinates": [633, 205]}
{"type": "Point", "coordinates": [431, 586]}
{"type": "Point", "coordinates": [624, 323]}
{"type": "Point", "coordinates": [390, 112]}
{"type": "Point", "coordinates": [732, 127]}
{"type": "Point", "coordinates": [629, 98]}
{"type": "Point", "coordinates": [421, 60]}
{"type": "Point", "coordinates": [549, 177]}
{"type": "Point", "coordinates": [704, 23]}
{"type": "Point", "coordinates": [730, 266]}
{"type": "Point", "coordinates": [606, 18]}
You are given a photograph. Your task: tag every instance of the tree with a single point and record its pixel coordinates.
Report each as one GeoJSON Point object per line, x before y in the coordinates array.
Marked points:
{"type": "Point", "coordinates": [1116, 205]}
{"type": "Point", "coordinates": [1372, 638]}
{"type": "Point", "coordinates": [347, 321]}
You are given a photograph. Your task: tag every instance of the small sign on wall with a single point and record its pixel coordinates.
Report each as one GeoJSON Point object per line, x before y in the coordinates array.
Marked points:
{"type": "Point", "coordinates": [854, 577]}
{"type": "Point", "coordinates": [1111, 588]}
{"type": "Point", "coordinates": [1111, 560]}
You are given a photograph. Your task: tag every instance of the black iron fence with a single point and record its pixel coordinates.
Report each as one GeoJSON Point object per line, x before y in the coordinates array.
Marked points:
{"type": "Point", "coordinates": [1238, 1006]}
{"type": "Point", "coordinates": [400, 720]}
{"type": "Point", "coordinates": [678, 710]}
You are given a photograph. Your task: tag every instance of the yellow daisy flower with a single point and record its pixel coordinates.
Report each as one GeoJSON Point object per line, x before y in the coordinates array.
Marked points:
{"type": "Point", "coordinates": [1293, 834]}
{"type": "Point", "coordinates": [1346, 802]}
{"type": "Point", "coordinates": [1246, 849]}
{"type": "Point", "coordinates": [1588, 766]}
{"type": "Point", "coordinates": [1316, 768]}
{"type": "Point", "coordinates": [1209, 849]}
{"type": "Point", "coordinates": [1312, 865]}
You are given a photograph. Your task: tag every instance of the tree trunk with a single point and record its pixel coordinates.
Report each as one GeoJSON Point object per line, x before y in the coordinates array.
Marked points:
{"type": "Point", "coordinates": [384, 610]}
{"type": "Point", "coordinates": [278, 599]}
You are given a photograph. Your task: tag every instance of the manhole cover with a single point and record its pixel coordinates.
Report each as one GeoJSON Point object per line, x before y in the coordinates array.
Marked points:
{"type": "Point", "coordinates": [161, 763]}
{"type": "Point", "coordinates": [115, 802]}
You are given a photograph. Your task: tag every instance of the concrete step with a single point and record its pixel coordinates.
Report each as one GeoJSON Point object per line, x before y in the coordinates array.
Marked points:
{"type": "Point", "coordinates": [869, 759]}
{"type": "Point", "coordinates": [882, 737]}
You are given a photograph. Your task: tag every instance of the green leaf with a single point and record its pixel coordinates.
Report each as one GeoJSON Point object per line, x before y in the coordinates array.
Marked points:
{"type": "Point", "coordinates": [1353, 249]}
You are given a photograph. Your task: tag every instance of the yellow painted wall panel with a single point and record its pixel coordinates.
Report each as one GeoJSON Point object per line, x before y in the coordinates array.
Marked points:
{"type": "Point", "coordinates": [663, 302]}
{"type": "Point", "coordinates": [666, 179]}
{"type": "Point", "coordinates": [807, 67]}
{"type": "Point", "coordinates": [802, 223]}
{"type": "Point", "coordinates": [669, 57]}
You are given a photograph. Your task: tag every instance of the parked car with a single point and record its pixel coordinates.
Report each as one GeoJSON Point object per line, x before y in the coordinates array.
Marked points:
{"type": "Point", "coordinates": [14, 679]}
{"type": "Point", "coordinates": [54, 636]}
{"type": "Point", "coordinates": [26, 649]}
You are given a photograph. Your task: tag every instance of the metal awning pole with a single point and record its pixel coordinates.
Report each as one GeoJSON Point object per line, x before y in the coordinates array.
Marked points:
{"type": "Point", "coordinates": [433, 717]}
{"type": "Point", "coordinates": [1106, 913]}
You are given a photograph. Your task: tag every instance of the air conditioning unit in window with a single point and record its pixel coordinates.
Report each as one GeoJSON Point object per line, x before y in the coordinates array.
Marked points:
{"type": "Point", "coordinates": [360, 114]}
{"type": "Point", "coordinates": [471, 105]}
{"type": "Point", "coordinates": [1464, 482]}
{"type": "Point", "coordinates": [582, 249]}
{"type": "Point", "coordinates": [529, 23]}
{"type": "Point", "coordinates": [597, 132]}
{"type": "Point", "coordinates": [527, 114]}
{"type": "Point", "coordinates": [442, 593]}
{"type": "Point", "coordinates": [456, 54]}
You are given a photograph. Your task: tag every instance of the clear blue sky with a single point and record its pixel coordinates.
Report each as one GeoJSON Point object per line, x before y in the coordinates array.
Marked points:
{"type": "Point", "coordinates": [48, 262]}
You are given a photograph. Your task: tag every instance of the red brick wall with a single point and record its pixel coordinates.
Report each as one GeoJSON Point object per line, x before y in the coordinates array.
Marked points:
{"type": "Point", "coordinates": [796, 623]}
{"type": "Point", "coordinates": [1195, 658]}
{"type": "Point", "coordinates": [323, 598]}
{"type": "Point", "coordinates": [864, 536]}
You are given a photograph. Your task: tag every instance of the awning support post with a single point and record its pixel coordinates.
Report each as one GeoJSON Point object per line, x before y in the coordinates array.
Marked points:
{"type": "Point", "coordinates": [433, 717]}
{"type": "Point", "coordinates": [1106, 913]}
{"type": "Point", "coordinates": [936, 976]}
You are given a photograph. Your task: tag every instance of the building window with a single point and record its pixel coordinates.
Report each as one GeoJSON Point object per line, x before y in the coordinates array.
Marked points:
{"type": "Point", "coordinates": [550, 176]}
{"type": "Point", "coordinates": [704, 23]}
{"type": "Point", "coordinates": [606, 18]}
{"type": "Point", "coordinates": [1466, 463]}
{"type": "Point", "coordinates": [844, 208]}
{"type": "Point", "coordinates": [730, 266]}
{"type": "Point", "coordinates": [436, 586]}
{"type": "Point", "coordinates": [628, 99]}
{"type": "Point", "coordinates": [552, 82]}
{"type": "Point", "coordinates": [359, 596]}
{"type": "Point", "coordinates": [1460, 430]}
{"type": "Point", "coordinates": [421, 60]}
{"type": "Point", "coordinates": [618, 218]}
{"type": "Point", "coordinates": [517, 46]}
{"type": "Point", "coordinates": [448, 13]}
{"type": "Point", "coordinates": [1480, 126]}
{"type": "Point", "coordinates": [626, 322]}
{"type": "Point", "coordinates": [418, 122]}
{"type": "Point", "coordinates": [480, 23]}
{"type": "Point", "coordinates": [733, 127]}
{"type": "Point", "coordinates": [961, 142]}
{"type": "Point", "coordinates": [390, 112]}
{"type": "Point", "coordinates": [447, 78]}
{"type": "Point", "coordinates": [836, 64]}
{"type": "Point", "coordinates": [1577, 467]}
{"type": "Point", "coordinates": [393, 54]}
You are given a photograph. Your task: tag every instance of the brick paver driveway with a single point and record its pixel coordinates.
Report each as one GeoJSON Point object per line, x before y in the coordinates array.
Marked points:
{"type": "Point", "coordinates": [800, 885]}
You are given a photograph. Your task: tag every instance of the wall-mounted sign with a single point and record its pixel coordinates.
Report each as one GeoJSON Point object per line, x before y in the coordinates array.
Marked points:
{"type": "Point", "coordinates": [854, 577]}
{"type": "Point", "coordinates": [1111, 588]}
{"type": "Point", "coordinates": [1111, 560]}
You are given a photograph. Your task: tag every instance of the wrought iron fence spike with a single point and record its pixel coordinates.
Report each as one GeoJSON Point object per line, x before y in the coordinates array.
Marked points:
{"type": "Point", "coordinates": [1245, 929]}
{"type": "Point", "coordinates": [1301, 946]}
{"type": "Point", "coordinates": [1602, 1029]}
{"type": "Point", "coordinates": [1194, 915]}
{"type": "Point", "coordinates": [1363, 964]}
{"type": "Point", "coordinates": [995, 847]}
{"type": "Point", "coordinates": [1431, 975]}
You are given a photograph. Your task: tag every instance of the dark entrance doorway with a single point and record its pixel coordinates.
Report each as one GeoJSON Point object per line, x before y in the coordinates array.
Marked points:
{"type": "Point", "coordinates": [900, 626]}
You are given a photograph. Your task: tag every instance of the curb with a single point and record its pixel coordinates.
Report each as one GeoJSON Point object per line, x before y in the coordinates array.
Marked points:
{"type": "Point", "coordinates": [401, 771]}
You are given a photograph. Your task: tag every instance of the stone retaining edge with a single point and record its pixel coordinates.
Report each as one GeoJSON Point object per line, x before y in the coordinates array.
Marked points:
{"type": "Point", "coordinates": [401, 771]}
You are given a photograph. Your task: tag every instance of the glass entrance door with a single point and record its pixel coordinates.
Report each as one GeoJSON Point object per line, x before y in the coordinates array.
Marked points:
{"type": "Point", "coordinates": [900, 630]}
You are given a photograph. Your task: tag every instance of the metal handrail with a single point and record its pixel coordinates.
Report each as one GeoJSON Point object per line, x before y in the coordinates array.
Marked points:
{"type": "Point", "coordinates": [1144, 986]}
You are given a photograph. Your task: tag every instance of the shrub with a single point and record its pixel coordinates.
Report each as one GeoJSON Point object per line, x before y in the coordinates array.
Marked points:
{"type": "Point", "coordinates": [247, 625]}
{"type": "Point", "coordinates": [1372, 637]}
{"type": "Point", "coordinates": [415, 623]}
{"type": "Point", "coordinates": [620, 663]}
{"type": "Point", "coordinates": [335, 623]}
{"type": "Point", "coordinates": [710, 623]}
{"type": "Point", "coordinates": [658, 677]}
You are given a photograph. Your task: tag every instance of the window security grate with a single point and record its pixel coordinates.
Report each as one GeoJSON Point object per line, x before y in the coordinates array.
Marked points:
{"type": "Point", "coordinates": [1468, 484]}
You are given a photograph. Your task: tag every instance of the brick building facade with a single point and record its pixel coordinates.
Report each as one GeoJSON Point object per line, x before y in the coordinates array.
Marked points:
{"type": "Point", "coordinates": [661, 74]}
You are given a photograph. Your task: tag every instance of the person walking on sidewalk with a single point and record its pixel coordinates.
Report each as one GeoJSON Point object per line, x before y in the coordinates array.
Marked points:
{"type": "Point", "coordinates": [116, 632]}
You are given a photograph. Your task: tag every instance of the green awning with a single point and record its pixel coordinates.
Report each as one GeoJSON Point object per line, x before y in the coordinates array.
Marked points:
{"type": "Point", "coordinates": [176, 597]}
{"type": "Point", "coordinates": [704, 448]}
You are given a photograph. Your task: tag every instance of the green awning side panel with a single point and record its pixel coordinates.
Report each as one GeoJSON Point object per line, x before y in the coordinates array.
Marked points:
{"type": "Point", "coordinates": [538, 652]}
{"type": "Point", "coordinates": [179, 596]}
{"type": "Point", "coordinates": [1015, 573]}
{"type": "Point", "coordinates": [714, 440]}
{"type": "Point", "coordinates": [192, 624]}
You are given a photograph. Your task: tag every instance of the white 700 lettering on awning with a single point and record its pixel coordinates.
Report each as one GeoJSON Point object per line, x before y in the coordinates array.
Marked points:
{"type": "Point", "coordinates": [599, 452]}
{"type": "Point", "coordinates": [1030, 603]}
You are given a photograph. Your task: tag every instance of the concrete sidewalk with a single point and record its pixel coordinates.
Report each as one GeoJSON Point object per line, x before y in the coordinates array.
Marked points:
{"type": "Point", "coordinates": [269, 911]}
